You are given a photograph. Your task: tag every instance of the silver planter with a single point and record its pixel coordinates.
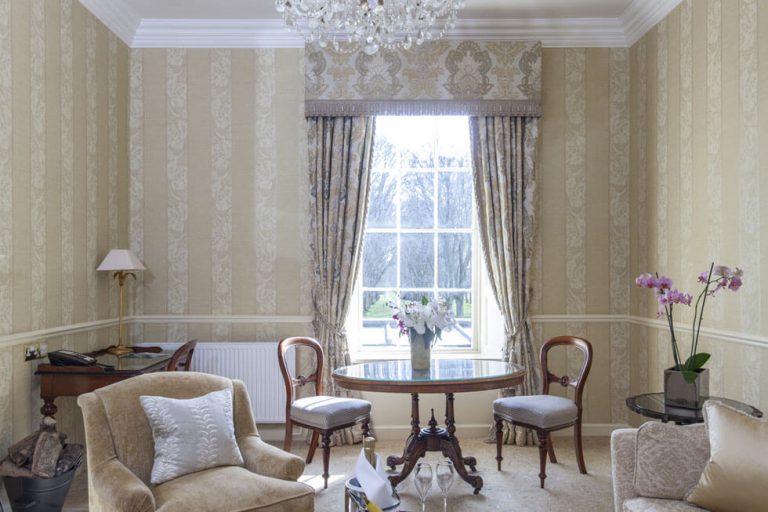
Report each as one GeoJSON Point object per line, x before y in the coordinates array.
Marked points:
{"type": "Point", "coordinates": [680, 393]}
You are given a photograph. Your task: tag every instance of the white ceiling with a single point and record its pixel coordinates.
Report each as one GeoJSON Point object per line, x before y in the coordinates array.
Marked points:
{"type": "Point", "coordinates": [475, 9]}
{"type": "Point", "coordinates": [256, 24]}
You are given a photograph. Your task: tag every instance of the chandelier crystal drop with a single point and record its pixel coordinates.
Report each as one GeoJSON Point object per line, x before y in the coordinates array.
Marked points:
{"type": "Point", "coordinates": [370, 24]}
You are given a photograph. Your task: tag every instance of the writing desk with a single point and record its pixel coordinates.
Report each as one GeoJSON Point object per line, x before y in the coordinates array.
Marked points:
{"type": "Point", "coordinates": [447, 376]}
{"type": "Point", "coordinates": [56, 381]}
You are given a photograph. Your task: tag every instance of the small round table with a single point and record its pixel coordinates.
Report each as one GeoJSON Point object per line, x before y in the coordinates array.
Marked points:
{"type": "Point", "coordinates": [652, 405]}
{"type": "Point", "coordinates": [447, 376]}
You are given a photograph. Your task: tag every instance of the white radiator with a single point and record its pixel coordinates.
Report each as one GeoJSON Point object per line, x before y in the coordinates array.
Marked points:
{"type": "Point", "coordinates": [255, 363]}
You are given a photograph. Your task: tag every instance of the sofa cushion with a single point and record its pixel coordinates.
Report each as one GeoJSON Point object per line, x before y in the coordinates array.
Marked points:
{"type": "Point", "coordinates": [542, 411]}
{"type": "Point", "coordinates": [328, 412]}
{"type": "Point", "coordinates": [191, 435]}
{"type": "Point", "coordinates": [669, 459]}
{"type": "Point", "coordinates": [735, 476]}
{"type": "Point", "coordinates": [658, 505]}
{"type": "Point", "coordinates": [232, 488]}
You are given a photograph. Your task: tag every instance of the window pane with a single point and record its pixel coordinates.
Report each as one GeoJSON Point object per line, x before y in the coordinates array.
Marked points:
{"type": "Point", "coordinates": [454, 197]}
{"type": "Point", "coordinates": [386, 155]}
{"type": "Point", "coordinates": [417, 260]}
{"type": "Point", "coordinates": [379, 260]}
{"type": "Point", "coordinates": [453, 142]}
{"type": "Point", "coordinates": [416, 296]}
{"type": "Point", "coordinates": [458, 302]}
{"type": "Point", "coordinates": [454, 260]}
{"type": "Point", "coordinates": [417, 200]}
{"type": "Point", "coordinates": [381, 207]}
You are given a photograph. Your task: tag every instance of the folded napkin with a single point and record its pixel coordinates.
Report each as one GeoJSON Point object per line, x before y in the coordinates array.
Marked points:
{"type": "Point", "coordinates": [374, 482]}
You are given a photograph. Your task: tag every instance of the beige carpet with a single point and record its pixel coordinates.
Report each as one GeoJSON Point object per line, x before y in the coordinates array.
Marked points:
{"type": "Point", "coordinates": [514, 489]}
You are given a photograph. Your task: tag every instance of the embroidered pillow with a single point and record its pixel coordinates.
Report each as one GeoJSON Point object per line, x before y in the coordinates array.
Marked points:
{"type": "Point", "coordinates": [735, 476]}
{"type": "Point", "coordinates": [669, 459]}
{"type": "Point", "coordinates": [191, 435]}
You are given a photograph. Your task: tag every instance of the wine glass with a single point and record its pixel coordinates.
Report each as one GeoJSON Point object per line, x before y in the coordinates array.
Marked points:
{"type": "Point", "coordinates": [422, 479]}
{"type": "Point", "coordinates": [445, 472]}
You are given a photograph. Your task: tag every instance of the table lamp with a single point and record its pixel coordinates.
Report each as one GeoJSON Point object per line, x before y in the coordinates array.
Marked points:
{"type": "Point", "coordinates": [123, 263]}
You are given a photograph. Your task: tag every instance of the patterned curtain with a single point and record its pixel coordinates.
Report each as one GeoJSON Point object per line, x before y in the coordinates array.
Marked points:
{"type": "Point", "coordinates": [339, 168]}
{"type": "Point", "coordinates": [504, 164]}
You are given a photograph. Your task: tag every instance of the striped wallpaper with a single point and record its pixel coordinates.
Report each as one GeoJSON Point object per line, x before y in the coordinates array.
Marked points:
{"type": "Point", "coordinates": [219, 191]}
{"type": "Point", "coordinates": [63, 186]}
{"type": "Point", "coordinates": [700, 113]}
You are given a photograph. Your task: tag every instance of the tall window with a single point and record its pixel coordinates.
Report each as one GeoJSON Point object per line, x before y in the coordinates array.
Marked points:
{"type": "Point", "coordinates": [419, 235]}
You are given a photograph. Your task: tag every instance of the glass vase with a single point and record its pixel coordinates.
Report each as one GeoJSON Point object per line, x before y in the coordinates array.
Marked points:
{"type": "Point", "coordinates": [421, 348]}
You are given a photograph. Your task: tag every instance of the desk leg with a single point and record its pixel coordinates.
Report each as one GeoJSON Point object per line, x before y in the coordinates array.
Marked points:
{"type": "Point", "coordinates": [49, 408]}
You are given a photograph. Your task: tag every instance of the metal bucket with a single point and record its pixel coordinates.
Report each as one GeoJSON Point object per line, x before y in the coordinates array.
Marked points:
{"type": "Point", "coordinates": [38, 494]}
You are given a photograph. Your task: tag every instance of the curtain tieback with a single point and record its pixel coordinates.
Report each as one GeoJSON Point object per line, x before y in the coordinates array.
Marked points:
{"type": "Point", "coordinates": [333, 329]}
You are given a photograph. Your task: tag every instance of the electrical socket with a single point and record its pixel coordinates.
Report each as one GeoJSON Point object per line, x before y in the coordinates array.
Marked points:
{"type": "Point", "coordinates": [35, 351]}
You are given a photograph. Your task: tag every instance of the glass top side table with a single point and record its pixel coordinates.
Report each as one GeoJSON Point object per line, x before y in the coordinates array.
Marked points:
{"type": "Point", "coordinates": [652, 405]}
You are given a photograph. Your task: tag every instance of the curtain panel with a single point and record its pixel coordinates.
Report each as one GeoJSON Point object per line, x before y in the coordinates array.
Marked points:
{"type": "Point", "coordinates": [504, 164]}
{"type": "Point", "coordinates": [339, 167]}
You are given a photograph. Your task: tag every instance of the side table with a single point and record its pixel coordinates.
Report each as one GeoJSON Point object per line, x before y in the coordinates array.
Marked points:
{"type": "Point", "coordinates": [652, 405]}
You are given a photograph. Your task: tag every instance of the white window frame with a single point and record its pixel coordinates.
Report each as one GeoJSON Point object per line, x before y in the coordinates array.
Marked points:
{"type": "Point", "coordinates": [487, 324]}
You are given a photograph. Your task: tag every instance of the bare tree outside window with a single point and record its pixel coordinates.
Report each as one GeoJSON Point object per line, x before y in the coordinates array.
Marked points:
{"type": "Point", "coordinates": [418, 237]}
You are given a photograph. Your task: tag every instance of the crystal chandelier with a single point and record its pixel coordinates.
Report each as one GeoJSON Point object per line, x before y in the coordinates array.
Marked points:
{"type": "Point", "coordinates": [371, 24]}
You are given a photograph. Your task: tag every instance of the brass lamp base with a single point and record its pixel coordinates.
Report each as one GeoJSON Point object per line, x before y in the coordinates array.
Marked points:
{"type": "Point", "coordinates": [119, 350]}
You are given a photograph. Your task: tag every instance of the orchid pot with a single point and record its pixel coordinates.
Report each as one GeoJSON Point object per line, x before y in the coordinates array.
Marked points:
{"type": "Point", "coordinates": [678, 392]}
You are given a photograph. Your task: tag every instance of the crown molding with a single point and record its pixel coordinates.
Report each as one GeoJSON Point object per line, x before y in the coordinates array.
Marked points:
{"type": "Point", "coordinates": [553, 33]}
{"type": "Point", "coordinates": [117, 16]}
{"type": "Point", "coordinates": [641, 16]}
{"type": "Point", "coordinates": [624, 31]}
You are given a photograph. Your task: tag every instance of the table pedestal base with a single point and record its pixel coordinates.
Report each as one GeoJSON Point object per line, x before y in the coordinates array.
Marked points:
{"type": "Point", "coordinates": [433, 439]}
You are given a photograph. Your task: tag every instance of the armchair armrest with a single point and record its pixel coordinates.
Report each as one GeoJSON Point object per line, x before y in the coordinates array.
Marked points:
{"type": "Point", "coordinates": [115, 488]}
{"type": "Point", "coordinates": [623, 442]}
{"type": "Point", "coordinates": [267, 460]}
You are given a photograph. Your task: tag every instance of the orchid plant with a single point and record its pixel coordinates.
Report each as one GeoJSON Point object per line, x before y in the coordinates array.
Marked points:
{"type": "Point", "coordinates": [426, 315]}
{"type": "Point", "coordinates": [717, 278]}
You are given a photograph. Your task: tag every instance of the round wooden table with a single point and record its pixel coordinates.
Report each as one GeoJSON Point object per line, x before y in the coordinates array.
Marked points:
{"type": "Point", "coordinates": [447, 376]}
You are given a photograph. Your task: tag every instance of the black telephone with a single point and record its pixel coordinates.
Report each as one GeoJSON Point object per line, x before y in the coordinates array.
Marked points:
{"type": "Point", "coordinates": [70, 358]}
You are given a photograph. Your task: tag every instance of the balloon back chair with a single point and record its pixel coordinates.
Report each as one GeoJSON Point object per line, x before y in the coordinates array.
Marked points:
{"type": "Point", "coordinates": [546, 413]}
{"type": "Point", "coordinates": [182, 358]}
{"type": "Point", "coordinates": [322, 414]}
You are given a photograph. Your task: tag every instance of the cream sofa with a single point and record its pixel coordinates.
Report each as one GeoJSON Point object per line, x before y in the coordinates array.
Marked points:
{"type": "Point", "coordinates": [656, 466]}
{"type": "Point", "coordinates": [121, 453]}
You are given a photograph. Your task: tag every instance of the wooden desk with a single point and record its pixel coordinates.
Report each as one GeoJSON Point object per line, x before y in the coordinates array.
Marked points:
{"type": "Point", "coordinates": [56, 381]}
{"type": "Point", "coordinates": [447, 376]}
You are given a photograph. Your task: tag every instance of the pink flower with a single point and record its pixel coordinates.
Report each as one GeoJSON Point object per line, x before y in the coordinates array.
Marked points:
{"type": "Point", "coordinates": [703, 277]}
{"type": "Point", "coordinates": [735, 283]}
{"type": "Point", "coordinates": [645, 281]}
{"type": "Point", "coordinates": [663, 282]}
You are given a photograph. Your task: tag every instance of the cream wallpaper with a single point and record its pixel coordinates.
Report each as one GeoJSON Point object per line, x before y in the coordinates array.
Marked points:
{"type": "Point", "coordinates": [219, 194]}
{"type": "Point", "coordinates": [63, 188]}
{"type": "Point", "coordinates": [700, 147]}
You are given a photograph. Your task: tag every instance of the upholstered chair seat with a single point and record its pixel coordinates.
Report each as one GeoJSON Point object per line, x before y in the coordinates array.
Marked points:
{"type": "Point", "coordinates": [543, 411]}
{"type": "Point", "coordinates": [121, 454]}
{"type": "Point", "coordinates": [321, 414]}
{"type": "Point", "coordinates": [328, 412]}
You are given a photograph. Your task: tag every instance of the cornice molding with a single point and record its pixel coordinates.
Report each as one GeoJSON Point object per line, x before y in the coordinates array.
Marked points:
{"type": "Point", "coordinates": [641, 16]}
{"type": "Point", "coordinates": [623, 31]}
{"type": "Point", "coordinates": [117, 16]}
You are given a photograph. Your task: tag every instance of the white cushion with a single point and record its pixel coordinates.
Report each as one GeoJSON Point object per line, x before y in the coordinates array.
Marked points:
{"type": "Point", "coordinates": [327, 412]}
{"type": "Point", "coordinates": [658, 505]}
{"type": "Point", "coordinates": [543, 411]}
{"type": "Point", "coordinates": [191, 435]}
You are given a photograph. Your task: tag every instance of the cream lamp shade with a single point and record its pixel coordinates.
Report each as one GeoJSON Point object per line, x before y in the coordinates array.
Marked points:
{"type": "Point", "coordinates": [121, 259]}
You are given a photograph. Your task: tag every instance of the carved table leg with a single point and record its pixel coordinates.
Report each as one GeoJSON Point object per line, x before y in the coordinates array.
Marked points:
{"type": "Point", "coordinates": [451, 448]}
{"type": "Point", "coordinates": [394, 460]}
{"type": "Point", "coordinates": [49, 408]}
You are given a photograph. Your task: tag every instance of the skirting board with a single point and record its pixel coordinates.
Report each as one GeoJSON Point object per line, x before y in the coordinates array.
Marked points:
{"type": "Point", "coordinates": [393, 433]}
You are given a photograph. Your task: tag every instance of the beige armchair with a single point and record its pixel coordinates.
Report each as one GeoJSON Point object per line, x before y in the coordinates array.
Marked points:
{"type": "Point", "coordinates": [121, 452]}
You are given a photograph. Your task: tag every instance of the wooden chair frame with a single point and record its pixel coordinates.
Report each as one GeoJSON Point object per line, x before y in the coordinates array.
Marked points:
{"type": "Point", "coordinates": [291, 383]}
{"type": "Point", "coordinates": [544, 435]}
{"type": "Point", "coordinates": [181, 360]}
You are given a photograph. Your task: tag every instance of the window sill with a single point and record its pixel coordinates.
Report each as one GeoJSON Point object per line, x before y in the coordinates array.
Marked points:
{"type": "Point", "coordinates": [364, 357]}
